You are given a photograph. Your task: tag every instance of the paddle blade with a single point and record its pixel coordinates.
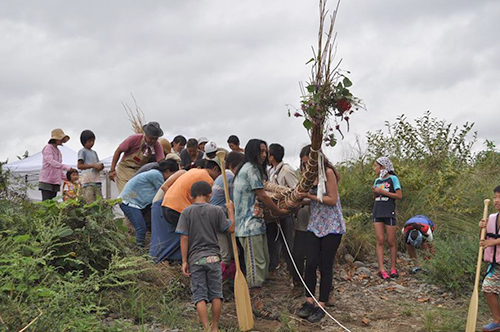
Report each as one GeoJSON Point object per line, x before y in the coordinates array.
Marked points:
{"type": "Point", "coordinates": [472, 316]}
{"type": "Point", "coordinates": [242, 301]}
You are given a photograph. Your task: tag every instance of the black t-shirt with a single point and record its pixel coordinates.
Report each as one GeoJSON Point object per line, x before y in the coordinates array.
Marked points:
{"type": "Point", "coordinates": [186, 162]}
{"type": "Point", "coordinates": [385, 207]}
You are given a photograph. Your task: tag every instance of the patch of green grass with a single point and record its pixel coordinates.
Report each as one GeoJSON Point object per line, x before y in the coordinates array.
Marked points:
{"type": "Point", "coordinates": [445, 320]}
{"type": "Point", "coordinates": [454, 263]}
{"type": "Point", "coordinates": [287, 324]}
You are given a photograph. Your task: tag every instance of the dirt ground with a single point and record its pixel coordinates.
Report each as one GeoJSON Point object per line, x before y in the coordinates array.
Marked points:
{"type": "Point", "coordinates": [361, 302]}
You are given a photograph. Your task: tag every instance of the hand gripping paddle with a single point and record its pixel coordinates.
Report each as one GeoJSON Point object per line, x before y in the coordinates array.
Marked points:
{"type": "Point", "coordinates": [472, 316]}
{"type": "Point", "coordinates": [241, 293]}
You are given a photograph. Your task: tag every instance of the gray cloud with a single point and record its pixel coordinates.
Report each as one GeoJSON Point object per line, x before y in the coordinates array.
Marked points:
{"type": "Point", "coordinates": [215, 68]}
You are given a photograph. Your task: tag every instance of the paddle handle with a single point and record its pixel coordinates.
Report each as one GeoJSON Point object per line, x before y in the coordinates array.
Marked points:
{"type": "Point", "coordinates": [222, 155]}
{"type": "Point", "coordinates": [481, 249]}
{"type": "Point", "coordinates": [472, 315]}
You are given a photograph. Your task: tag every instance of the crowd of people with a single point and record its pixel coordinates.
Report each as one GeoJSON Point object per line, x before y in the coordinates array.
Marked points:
{"type": "Point", "coordinates": [175, 190]}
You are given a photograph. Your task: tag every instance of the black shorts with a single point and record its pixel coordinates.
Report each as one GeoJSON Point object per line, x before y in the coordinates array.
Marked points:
{"type": "Point", "coordinates": [390, 221]}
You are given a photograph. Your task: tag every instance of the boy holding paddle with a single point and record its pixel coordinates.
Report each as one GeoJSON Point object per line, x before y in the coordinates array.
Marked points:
{"type": "Point", "coordinates": [198, 226]}
{"type": "Point", "coordinates": [491, 283]}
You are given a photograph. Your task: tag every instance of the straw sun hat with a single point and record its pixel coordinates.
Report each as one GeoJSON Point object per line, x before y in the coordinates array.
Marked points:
{"type": "Point", "coordinates": [58, 134]}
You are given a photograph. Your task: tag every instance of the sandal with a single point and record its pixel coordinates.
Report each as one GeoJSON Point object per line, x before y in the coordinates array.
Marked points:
{"type": "Point", "coordinates": [383, 275]}
{"type": "Point", "coordinates": [265, 313]}
{"type": "Point", "coordinates": [394, 273]}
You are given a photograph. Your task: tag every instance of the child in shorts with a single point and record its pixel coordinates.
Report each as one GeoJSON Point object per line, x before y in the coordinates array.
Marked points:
{"type": "Point", "coordinates": [198, 226]}
{"type": "Point", "coordinates": [491, 282]}
{"type": "Point", "coordinates": [386, 190]}
{"type": "Point", "coordinates": [88, 162]}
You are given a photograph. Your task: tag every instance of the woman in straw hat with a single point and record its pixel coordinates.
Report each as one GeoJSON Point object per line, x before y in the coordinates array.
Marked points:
{"type": "Point", "coordinates": [137, 150]}
{"type": "Point", "coordinates": [52, 166]}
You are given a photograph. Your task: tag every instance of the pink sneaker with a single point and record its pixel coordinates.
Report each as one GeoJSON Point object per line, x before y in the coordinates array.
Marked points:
{"type": "Point", "coordinates": [394, 274]}
{"type": "Point", "coordinates": [383, 274]}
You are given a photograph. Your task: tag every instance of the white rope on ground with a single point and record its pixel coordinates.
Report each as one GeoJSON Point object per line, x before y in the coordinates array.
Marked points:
{"type": "Point", "coordinates": [303, 282]}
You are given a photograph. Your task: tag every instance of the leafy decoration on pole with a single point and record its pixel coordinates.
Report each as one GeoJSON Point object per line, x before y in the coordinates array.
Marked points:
{"type": "Point", "coordinates": [326, 98]}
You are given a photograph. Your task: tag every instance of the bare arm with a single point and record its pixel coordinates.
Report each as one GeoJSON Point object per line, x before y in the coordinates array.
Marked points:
{"type": "Point", "coordinates": [170, 181]}
{"type": "Point", "coordinates": [116, 156]}
{"type": "Point", "coordinates": [489, 242]}
{"type": "Point", "coordinates": [83, 166]}
{"type": "Point", "coordinates": [184, 254]}
{"type": "Point", "coordinates": [267, 201]}
{"type": "Point", "coordinates": [230, 214]}
{"type": "Point", "coordinates": [331, 196]}
{"type": "Point", "coordinates": [397, 195]}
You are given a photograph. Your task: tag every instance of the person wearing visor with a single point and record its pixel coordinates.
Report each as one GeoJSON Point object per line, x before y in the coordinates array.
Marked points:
{"type": "Point", "coordinates": [137, 150]}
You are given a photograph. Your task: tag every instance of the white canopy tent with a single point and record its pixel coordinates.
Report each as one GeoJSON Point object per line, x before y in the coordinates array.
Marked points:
{"type": "Point", "coordinates": [28, 170]}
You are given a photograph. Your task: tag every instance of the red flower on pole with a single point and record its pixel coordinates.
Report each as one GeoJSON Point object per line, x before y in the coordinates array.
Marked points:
{"type": "Point", "coordinates": [343, 105]}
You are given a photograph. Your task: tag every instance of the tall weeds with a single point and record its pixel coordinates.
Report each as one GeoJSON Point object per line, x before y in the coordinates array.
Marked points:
{"type": "Point", "coordinates": [441, 178]}
{"type": "Point", "coordinates": [65, 263]}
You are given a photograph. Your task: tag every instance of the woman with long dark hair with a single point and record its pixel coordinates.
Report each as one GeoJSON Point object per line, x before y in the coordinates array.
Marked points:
{"type": "Point", "coordinates": [249, 195]}
{"type": "Point", "coordinates": [324, 233]}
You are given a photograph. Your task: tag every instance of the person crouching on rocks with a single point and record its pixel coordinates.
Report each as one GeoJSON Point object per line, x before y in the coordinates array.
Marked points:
{"type": "Point", "coordinates": [417, 233]}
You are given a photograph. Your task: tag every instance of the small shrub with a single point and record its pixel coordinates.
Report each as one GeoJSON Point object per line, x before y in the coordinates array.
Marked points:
{"type": "Point", "coordinates": [360, 240]}
{"type": "Point", "coordinates": [454, 262]}
{"type": "Point", "coordinates": [62, 260]}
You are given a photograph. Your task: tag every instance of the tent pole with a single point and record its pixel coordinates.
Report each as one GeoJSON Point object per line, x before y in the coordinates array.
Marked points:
{"type": "Point", "coordinates": [108, 186]}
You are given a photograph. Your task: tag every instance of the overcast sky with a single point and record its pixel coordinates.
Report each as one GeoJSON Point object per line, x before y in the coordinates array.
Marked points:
{"type": "Point", "coordinates": [216, 68]}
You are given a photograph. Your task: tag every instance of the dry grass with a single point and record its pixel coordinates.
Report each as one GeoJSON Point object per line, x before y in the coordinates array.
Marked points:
{"type": "Point", "coordinates": [135, 116]}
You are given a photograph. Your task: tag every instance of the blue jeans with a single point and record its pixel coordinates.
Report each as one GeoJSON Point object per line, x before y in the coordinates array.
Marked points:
{"type": "Point", "coordinates": [137, 219]}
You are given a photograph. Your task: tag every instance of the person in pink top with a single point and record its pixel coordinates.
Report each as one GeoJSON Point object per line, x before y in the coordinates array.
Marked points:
{"type": "Point", "coordinates": [137, 150]}
{"type": "Point", "coordinates": [52, 172]}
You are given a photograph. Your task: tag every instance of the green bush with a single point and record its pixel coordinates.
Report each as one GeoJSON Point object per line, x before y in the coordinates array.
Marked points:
{"type": "Point", "coordinates": [454, 262]}
{"type": "Point", "coordinates": [63, 265]}
{"type": "Point", "coordinates": [55, 261]}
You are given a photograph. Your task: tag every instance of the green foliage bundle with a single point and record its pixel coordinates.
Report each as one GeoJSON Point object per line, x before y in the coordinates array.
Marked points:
{"type": "Point", "coordinates": [328, 94]}
{"type": "Point", "coordinates": [441, 178]}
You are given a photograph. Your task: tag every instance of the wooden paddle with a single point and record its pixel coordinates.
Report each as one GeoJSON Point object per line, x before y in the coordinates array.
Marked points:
{"type": "Point", "coordinates": [472, 316]}
{"type": "Point", "coordinates": [241, 293]}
